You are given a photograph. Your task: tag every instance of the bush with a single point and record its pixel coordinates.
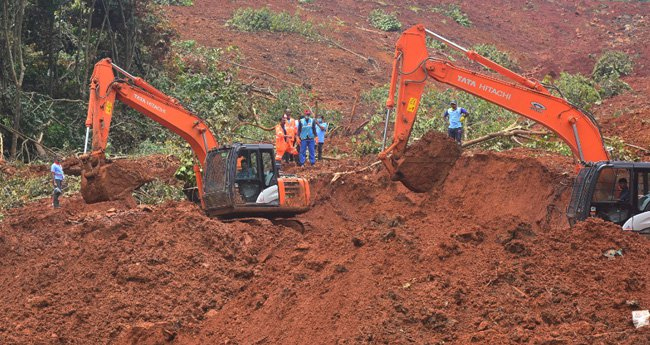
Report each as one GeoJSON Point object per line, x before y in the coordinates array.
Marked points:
{"type": "Point", "coordinates": [454, 12]}
{"type": "Point", "coordinates": [619, 150]}
{"type": "Point", "coordinates": [612, 65]}
{"type": "Point", "coordinates": [578, 89]}
{"type": "Point", "coordinates": [435, 44]}
{"type": "Point", "coordinates": [384, 21]}
{"type": "Point", "coordinates": [263, 19]}
{"type": "Point", "coordinates": [491, 52]}
{"type": "Point", "coordinates": [612, 87]}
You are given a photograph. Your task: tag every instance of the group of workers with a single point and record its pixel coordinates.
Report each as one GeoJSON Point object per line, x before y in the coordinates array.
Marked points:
{"type": "Point", "coordinates": [296, 137]}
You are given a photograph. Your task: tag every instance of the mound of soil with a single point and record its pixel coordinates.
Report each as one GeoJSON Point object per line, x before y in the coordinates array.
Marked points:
{"type": "Point", "coordinates": [384, 265]}
{"type": "Point", "coordinates": [426, 164]}
{"type": "Point", "coordinates": [489, 185]}
{"type": "Point", "coordinates": [487, 258]}
{"type": "Point", "coordinates": [86, 274]}
{"type": "Point", "coordinates": [118, 179]}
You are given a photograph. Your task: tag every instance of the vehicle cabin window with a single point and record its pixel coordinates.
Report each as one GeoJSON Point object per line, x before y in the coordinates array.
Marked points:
{"type": "Point", "coordinates": [216, 173]}
{"type": "Point", "coordinates": [643, 194]}
{"type": "Point", "coordinates": [607, 187]}
{"type": "Point", "coordinates": [247, 166]}
{"type": "Point", "coordinates": [268, 162]}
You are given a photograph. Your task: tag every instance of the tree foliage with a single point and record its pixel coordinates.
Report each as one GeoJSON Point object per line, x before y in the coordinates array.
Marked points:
{"type": "Point", "coordinates": [60, 42]}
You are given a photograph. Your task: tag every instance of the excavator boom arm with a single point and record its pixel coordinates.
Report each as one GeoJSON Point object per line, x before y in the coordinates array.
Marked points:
{"type": "Point", "coordinates": [139, 95]}
{"type": "Point", "coordinates": [413, 66]}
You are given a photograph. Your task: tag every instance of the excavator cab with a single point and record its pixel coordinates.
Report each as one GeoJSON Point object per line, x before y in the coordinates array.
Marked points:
{"type": "Point", "coordinates": [613, 191]}
{"type": "Point", "coordinates": [243, 180]}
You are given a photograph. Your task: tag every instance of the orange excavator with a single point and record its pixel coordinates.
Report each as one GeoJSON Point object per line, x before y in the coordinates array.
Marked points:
{"type": "Point", "coordinates": [232, 181]}
{"type": "Point", "coordinates": [612, 190]}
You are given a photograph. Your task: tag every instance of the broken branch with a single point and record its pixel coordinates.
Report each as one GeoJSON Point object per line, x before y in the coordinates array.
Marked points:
{"type": "Point", "coordinates": [339, 174]}
{"type": "Point", "coordinates": [504, 133]}
{"type": "Point", "coordinates": [263, 72]}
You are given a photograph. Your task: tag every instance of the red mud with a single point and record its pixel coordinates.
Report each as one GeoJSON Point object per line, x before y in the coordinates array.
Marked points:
{"type": "Point", "coordinates": [427, 163]}
{"type": "Point", "coordinates": [487, 258]}
{"type": "Point", "coordinates": [382, 265]}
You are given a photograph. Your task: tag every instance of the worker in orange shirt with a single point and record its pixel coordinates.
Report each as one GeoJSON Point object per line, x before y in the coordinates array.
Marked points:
{"type": "Point", "coordinates": [283, 140]}
{"type": "Point", "coordinates": [291, 128]}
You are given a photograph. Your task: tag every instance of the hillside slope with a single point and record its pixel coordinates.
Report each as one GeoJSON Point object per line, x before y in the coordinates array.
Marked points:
{"type": "Point", "coordinates": [545, 37]}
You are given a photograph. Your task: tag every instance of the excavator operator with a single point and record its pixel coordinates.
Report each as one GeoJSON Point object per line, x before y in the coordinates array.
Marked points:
{"type": "Point", "coordinates": [624, 193]}
{"type": "Point", "coordinates": [245, 172]}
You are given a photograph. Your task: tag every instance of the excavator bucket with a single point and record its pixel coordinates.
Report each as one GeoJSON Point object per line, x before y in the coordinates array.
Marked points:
{"type": "Point", "coordinates": [102, 180]}
{"type": "Point", "coordinates": [426, 164]}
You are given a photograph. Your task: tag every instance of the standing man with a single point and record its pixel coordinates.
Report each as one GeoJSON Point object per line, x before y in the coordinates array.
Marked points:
{"type": "Point", "coordinates": [321, 129]}
{"type": "Point", "coordinates": [291, 129]}
{"type": "Point", "coordinates": [307, 130]}
{"type": "Point", "coordinates": [57, 180]}
{"type": "Point", "coordinates": [456, 119]}
{"type": "Point", "coordinates": [284, 140]}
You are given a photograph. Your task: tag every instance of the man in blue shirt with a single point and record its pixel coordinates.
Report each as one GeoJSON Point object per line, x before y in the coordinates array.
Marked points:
{"type": "Point", "coordinates": [57, 180]}
{"type": "Point", "coordinates": [307, 132]}
{"type": "Point", "coordinates": [456, 118]}
{"type": "Point", "coordinates": [321, 129]}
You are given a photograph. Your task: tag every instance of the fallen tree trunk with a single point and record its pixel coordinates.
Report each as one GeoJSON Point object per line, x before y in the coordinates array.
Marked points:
{"type": "Point", "coordinates": [503, 133]}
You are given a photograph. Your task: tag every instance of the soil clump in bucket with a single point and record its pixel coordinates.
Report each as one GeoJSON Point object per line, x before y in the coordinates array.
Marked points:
{"type": "Point", "coordinates": [426, 164]}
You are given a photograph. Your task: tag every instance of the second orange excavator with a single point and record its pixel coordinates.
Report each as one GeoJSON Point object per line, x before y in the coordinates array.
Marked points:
{"type": "Point", "coordinates": [612, 190]}
{"type": "Point", "coordinates": [232, 181]}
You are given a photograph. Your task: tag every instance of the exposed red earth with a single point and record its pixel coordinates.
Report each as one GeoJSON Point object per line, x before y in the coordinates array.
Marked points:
{"type": "Point", "coordinates": [486, 256]}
